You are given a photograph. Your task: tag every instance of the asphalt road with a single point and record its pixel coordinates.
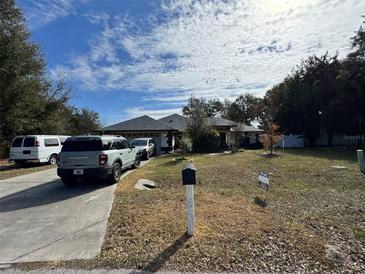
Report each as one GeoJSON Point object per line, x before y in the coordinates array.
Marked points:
{"type": "Point", "coordinates": [43, 220]}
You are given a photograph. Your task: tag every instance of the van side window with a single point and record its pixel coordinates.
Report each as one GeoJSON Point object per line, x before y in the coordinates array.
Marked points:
{"type": "Point", "coordinates": [29, 142]}
{"type": "Point", "coordinates": [51, 142]}
{"type": "Point", "coordinates": [17, 142]}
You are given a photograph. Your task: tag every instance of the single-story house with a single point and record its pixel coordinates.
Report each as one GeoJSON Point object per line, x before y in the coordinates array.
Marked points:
{"type": "Point", "coordinates": [166, 130]}
{"type": "Point", "coordinates": [246, 135]}
{"type": "Point", "coordinates": [145, 126]}
{"type": "Point", "coordinates": [223, 126]}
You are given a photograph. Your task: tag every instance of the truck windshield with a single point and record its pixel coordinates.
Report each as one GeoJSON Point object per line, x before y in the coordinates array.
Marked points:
{"type": "Point", "coordinates": [139, 142]}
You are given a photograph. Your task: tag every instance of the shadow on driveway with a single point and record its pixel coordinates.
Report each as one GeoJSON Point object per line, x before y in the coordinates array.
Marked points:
{"type": "Point", "coordinates": [47, 193]}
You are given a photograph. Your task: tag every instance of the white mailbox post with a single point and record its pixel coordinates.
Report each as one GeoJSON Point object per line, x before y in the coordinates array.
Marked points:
{"type": "Point", "coordinates": [189, 180]}
{"type": "Point", "coordinates": [360, 157]}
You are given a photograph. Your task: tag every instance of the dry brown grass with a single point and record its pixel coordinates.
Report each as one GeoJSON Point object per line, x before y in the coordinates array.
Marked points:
{"type": "Point", "coordinates": [311, 206]}
{"type": "Point", "coordinates": [10, 170]}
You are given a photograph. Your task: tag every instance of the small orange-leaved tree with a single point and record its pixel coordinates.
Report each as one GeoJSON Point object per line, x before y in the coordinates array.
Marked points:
{"type": "Point", "coordinates": [270, 137]}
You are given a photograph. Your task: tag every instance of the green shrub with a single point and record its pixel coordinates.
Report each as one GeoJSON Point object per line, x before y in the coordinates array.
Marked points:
{"type": "Point", "coordinates": [185, 144]}
{"type": "Point", "coordinates": [210, 142]}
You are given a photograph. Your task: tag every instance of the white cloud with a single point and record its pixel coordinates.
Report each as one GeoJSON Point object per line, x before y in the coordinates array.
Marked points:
{"type": "Point", "coordinates": [42, 12]}
{"type": "Point", "coordinates": [154, 113]}
{"type": "Point", "coordinates": [96, 18]}
{"type": "Point", "coordinates": [213, 48]}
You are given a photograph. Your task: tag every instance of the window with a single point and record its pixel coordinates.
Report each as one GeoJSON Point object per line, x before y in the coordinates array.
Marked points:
{"type": "Point", "coordinates": [140, 142]}
{"type": "Point", "coordinates": [107, 144]}
{"type": "Point", "coordinates": [29, 142]}
{"type": "Point", "coordinates": [17, 142]}
{"type": "Point", "coordinates": [51, 142]}
{"type": "Point", "coordinates": [125, 144]}
{"type": "Point", "coordinates": [116, 144]}
{"type": "Point", "coordinates": [82, 145]}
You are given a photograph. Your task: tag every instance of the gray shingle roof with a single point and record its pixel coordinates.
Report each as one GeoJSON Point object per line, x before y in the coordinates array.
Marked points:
{"type": "Point", "coordinates": [176, 121]}
{"type": "Point", "coordinates": [179, 122]}
{"type": "Point", "coordinates": [143, 123]}
{"type": "Point", "coordinates": [169, 123]}
{"type": "Point", "coordinates": [220, 122]}
{"type": "Point", "coordinates": [246, 128]}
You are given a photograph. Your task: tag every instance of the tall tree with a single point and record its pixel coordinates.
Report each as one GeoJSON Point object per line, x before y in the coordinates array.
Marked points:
{"type": "Point", "coordinates": [306, 102]}
{"type": "Point", "coordinates": [321, 78]}
{"type": "Point", "coordinates": [245, 109]}
{"type": "Point", "coordinates": [211, 107]}
{"type": "Point", "coordinates": [358, 44]}
{"type": "Point", "coordinates": [197, 127]}
{"type": "Point", "coordinates": [84, 121]}
{"type": "Point", "coordinates": [23, 86]}
{"type": "Point", "coordinates": [31, 103]}
{"type": "Point", "coordinates": [352, 78]}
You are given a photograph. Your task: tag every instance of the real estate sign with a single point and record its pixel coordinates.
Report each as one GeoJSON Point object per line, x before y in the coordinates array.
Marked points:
{"type": "Point", "coordinates": [264, 180]}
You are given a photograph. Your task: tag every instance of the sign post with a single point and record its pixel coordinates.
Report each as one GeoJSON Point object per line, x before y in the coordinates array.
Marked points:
{"type": "Point", "coordinates": [190, 209]}
{"type": "Point", "coordinates": [189, 180]}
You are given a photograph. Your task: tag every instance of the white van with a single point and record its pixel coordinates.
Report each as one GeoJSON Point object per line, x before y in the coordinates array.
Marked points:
{"type": "Point", "coordinates": [40, 148]}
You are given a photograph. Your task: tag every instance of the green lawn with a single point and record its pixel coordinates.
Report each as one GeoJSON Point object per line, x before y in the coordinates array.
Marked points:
{"type": "Point", "coordinates": [314, 220]}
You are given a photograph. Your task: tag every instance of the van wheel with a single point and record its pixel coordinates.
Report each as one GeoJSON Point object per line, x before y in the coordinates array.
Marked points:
{"type": "Point", "coordinates": [68, 181]}
{"type": "Point", "coordinates": [53, 159]}
{"type": "Point", "coordinates": [137, 162]}
{"type": "Point", "coordinates": [116, 173]}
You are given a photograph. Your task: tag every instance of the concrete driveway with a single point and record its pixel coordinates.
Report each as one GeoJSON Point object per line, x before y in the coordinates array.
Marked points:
{"type": "Point", "coordinates": [43, 220]}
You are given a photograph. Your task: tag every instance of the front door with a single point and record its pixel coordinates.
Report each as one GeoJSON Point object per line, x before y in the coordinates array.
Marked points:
{"type": "Point", "coordinates": [222, 136]}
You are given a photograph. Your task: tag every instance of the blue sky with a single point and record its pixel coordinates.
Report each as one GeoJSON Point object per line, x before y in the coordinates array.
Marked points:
{"type": "Point", "coordinates": [126, 58]}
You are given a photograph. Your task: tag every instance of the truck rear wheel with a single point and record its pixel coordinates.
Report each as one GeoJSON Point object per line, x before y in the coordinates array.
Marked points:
{"type": "Point", "coordinates": [116, 173]}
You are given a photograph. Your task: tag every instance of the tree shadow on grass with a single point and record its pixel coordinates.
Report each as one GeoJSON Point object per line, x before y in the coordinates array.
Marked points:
{"type": "Point", "coordinates": [164, 256]}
